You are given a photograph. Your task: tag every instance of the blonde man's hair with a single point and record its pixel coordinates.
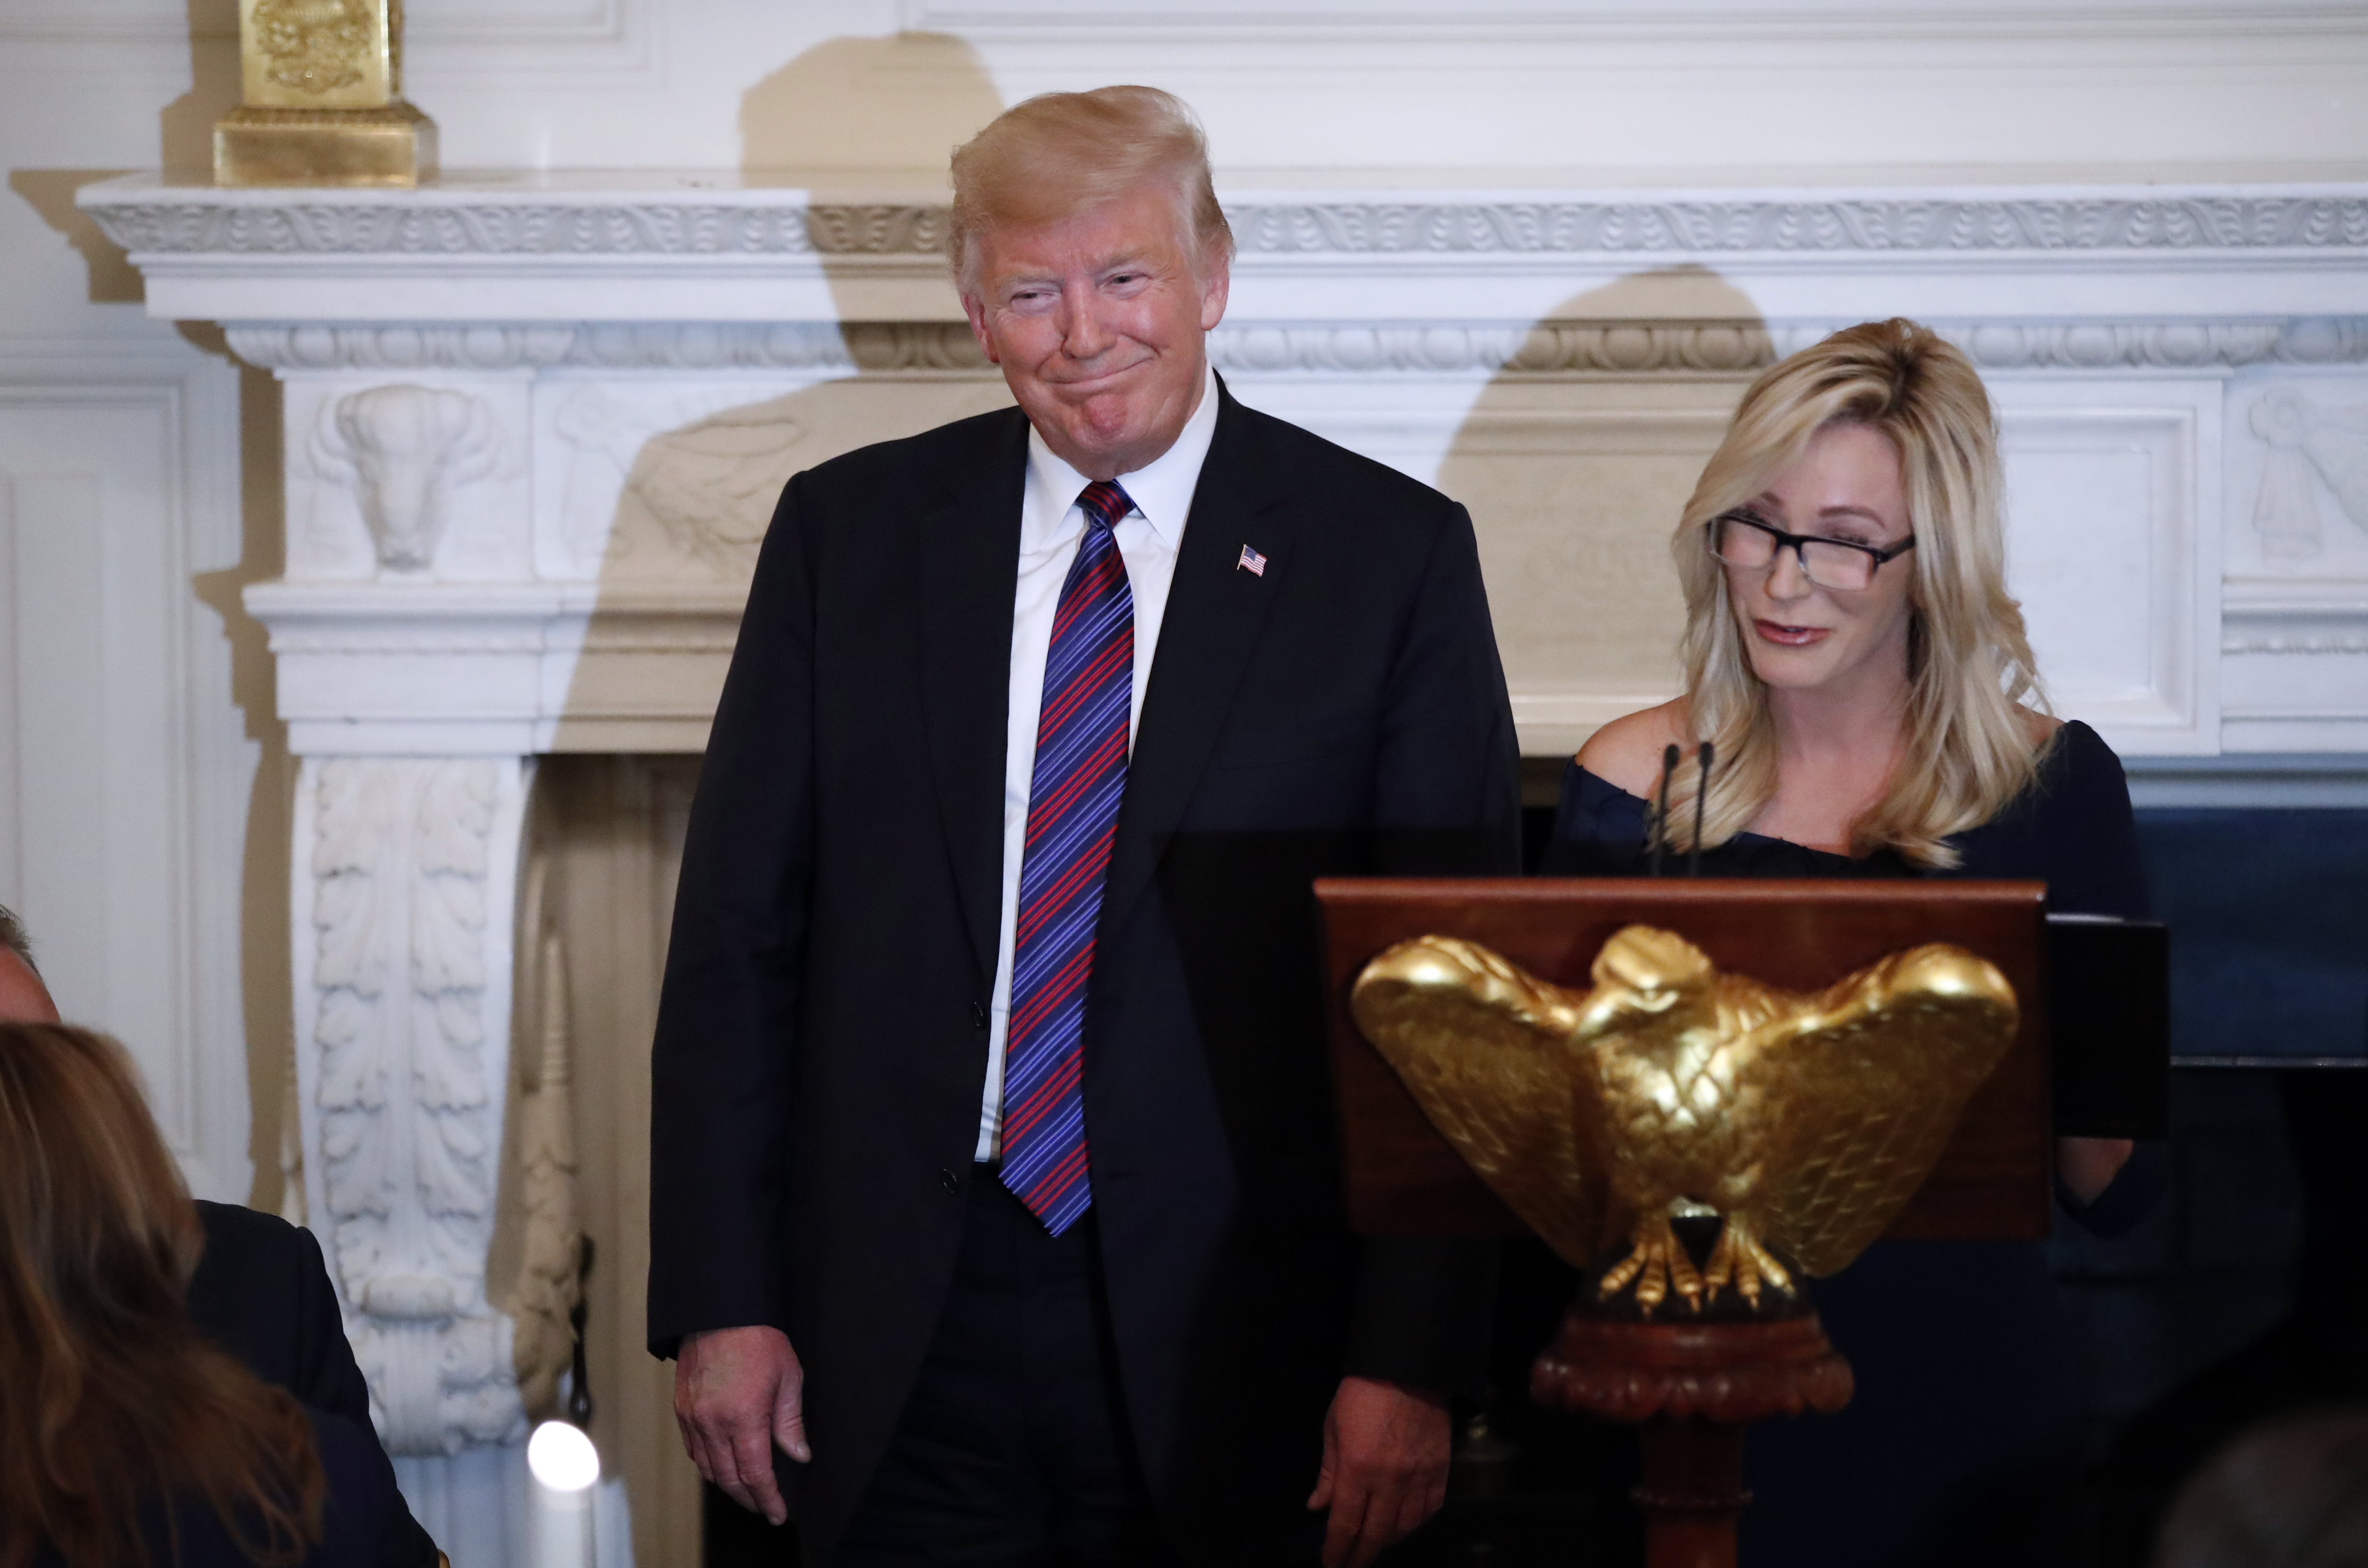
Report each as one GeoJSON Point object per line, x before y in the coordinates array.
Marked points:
{"type": "Point", "coordinates": [1969, 749]}
{"type": "Point", "coordinates": [1061, 154]}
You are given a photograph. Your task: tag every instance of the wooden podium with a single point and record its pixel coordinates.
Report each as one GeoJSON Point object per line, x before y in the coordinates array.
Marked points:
{"type": "Point", "coordinates": [1692, 1385]}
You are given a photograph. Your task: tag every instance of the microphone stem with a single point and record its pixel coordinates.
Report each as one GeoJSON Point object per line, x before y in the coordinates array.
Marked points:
{"type": "Point", "coordinates": [1661, 815]}
{"type": "Point", "coordinates": [1702, 794]}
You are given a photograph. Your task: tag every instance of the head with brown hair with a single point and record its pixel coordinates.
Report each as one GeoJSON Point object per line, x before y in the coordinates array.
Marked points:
{"type": "Point", "coordinates": [108, 1396]}
{"type": "Point", "coordinates": [1059, 153]}
{"type": "Point", "coordinates": [1969, 747]}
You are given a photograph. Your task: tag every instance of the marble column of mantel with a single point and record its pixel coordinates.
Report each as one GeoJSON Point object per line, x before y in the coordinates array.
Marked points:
{"type": "Point", "coordinates": [477, 372]}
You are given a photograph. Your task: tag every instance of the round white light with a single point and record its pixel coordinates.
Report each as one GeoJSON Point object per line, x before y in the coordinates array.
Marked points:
{"type": "Point", "coordinates": [561, 1456]}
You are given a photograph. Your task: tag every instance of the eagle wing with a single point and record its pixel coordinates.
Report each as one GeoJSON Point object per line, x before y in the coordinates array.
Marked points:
{"type": "Point", "coordinates": [1486, 1048]}
{"type": "Point", "coordinates": [1864, 1086]}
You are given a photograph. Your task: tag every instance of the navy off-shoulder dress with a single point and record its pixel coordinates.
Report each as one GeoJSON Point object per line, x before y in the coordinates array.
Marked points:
{"type": "Point", "coordinates": [1962, 1442]}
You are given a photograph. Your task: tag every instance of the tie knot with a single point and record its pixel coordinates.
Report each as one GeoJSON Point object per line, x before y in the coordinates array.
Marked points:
{"type": "Point", "coordinates": [1104, 502]}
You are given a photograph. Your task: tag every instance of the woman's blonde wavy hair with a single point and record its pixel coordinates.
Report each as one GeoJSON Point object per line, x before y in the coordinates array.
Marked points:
{"type": "Point", "coordinates": [1970, 672]}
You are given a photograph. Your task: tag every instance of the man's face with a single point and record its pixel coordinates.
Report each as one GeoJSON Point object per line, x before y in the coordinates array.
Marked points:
{"type": "Point", "coordinates": [1099, 321]}
{"type": "Point", "coordinates": [23, 998]}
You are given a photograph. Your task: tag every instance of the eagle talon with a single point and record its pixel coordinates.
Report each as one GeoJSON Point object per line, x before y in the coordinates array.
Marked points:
{"type": "Point", "coordinates": [1740, 1260]}
{"type": "Point", "coordinates": [1659, 1263]}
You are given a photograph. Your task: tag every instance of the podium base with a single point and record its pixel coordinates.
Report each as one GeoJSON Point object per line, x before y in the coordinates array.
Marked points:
{"type": "Point", "coordinates": [1692, 1388]}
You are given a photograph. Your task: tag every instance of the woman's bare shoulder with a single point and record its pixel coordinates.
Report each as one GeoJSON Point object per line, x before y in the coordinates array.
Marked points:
{"type": "Point", "coordinates": [2037, 727]}
{"type": "Point", "coordinates": [1626, 753]}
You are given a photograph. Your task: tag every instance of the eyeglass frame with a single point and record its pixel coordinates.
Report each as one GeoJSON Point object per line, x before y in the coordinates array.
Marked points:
{"type": "Point", "coordinates": [1880, 555]}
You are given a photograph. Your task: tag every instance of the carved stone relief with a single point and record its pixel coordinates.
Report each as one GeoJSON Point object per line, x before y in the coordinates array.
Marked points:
{"type": "Point", "coordinates": [2303, 439]}
{"type": "Point", "coordinates": [406, 482]}
{"type": "Point", "coordinates": [668, 481]}
{"type": "Point", "coordinates": [409, 448]}
{"type": "Point", "coordinates": [676, 481]}
{"type": "Point", "coordinates": [404, 878]}
{"type": "Point", "coordinates": [550, 1275]}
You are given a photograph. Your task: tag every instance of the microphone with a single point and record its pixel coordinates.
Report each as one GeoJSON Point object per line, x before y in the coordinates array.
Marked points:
{"type": "Point", "coordinates": [1661, 816]}
{"type": "Point", "coordinates": [1702, 793]}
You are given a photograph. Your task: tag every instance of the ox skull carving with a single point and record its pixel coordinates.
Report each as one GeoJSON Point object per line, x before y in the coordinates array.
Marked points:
{"type": "Point", "coordinates": [407, 449]}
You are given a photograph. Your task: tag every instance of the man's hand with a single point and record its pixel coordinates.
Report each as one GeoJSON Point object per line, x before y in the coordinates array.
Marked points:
{"type": "Point", "coordinates": [736, 1392]}
{"type": "Point", "coordinates": [2088, 1165]}
{"type": "Point", "coordinates": [1384, 1468]}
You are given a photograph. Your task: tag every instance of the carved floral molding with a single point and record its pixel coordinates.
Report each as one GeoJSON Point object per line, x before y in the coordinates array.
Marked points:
{"type": "Point", "coordinates": [1546, 348]}
{"type": "Point", "coordinates": [405, 880]}
{"type": "Point", "coordinates": [762, 222]}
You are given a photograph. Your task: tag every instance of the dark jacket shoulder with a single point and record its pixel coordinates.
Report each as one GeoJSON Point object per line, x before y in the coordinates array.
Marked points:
{"type": "Point", "coordinates": [262, 1292]}
{"type": "Point", "coordinates": [1352, 484]}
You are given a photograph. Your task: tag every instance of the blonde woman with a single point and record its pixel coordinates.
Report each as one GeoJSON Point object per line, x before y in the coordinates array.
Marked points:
{"type": "Point", "coordinates": [1852, 655]}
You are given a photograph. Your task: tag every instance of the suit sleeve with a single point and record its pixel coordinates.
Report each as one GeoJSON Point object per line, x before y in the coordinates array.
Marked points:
{"type": "Point", "coordinates": [722, 1065]}
{"type": "Point", "coordinates": [1448, 803]}
{"type": "Point", "coordinates": [326, 1376]}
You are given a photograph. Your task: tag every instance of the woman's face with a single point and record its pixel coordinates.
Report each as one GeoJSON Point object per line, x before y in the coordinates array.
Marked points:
{"type": "Point", "coordinates": [1804, 637]}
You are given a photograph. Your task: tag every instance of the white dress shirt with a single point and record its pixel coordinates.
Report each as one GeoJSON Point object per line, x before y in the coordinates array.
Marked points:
{"type": "Point", "coordinates": [1052, 526]}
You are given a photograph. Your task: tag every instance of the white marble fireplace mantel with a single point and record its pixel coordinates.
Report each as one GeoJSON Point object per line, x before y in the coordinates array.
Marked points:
{"type": "Point", "coordinates": [534, 426]}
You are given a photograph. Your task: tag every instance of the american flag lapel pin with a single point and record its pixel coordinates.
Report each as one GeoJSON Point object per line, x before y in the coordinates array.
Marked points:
{"type": "Point", "coordinates": [1251, 561]}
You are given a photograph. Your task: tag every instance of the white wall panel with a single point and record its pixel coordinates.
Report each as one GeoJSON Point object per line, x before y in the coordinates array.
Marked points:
{"type": "Point", "coordinates": [123, 775]}
{"type": "Point", "coordinates": [2110, 542]}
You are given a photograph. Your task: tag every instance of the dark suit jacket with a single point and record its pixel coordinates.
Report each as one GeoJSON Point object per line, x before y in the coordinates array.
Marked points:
{"type": "Point", "coordinates": [262, 1292]}
{"type": "Point", "coordinates": [822, 1036]}
{"type": "Point", "coordinates": [363, 1511]}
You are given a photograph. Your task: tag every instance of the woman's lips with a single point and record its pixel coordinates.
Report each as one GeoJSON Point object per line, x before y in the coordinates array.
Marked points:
{"type": "Point", "coordinates": [1790, 636]}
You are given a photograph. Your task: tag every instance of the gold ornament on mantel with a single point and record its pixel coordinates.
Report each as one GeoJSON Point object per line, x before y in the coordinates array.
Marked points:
{"type": "Point", "coordinates": [1672, 1093]}
{"type": "Point", "coordinates": [323, 99]}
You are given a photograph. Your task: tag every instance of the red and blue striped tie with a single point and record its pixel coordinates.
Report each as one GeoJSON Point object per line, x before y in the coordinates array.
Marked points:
{"type": "Point", "coordinates": [1072, 802]}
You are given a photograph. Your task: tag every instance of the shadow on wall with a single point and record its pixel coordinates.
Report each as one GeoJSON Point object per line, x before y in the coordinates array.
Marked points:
{"type": "Point", "coordinates": [186, 125]}
{"type": "Point", "coordinates": [50, 192]}
{"type": "Point", "coordinates": [877, 107]}
{"type": "Point", "coordinates": [265, 983]}
{"type": "Point", "coordinates": [1576, 460]}
{"type": "Point", "coordinates": [185, 146]}
{"type": "Point", "coordinates": [662, 486]}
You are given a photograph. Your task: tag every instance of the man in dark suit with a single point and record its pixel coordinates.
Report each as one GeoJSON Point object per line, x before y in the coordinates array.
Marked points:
{"type": "Point", "coordinates": [994, 1178]}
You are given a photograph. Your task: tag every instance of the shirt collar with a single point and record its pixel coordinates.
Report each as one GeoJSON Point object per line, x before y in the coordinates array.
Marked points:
{"type": "Point", "coordinates": [1161, 489]}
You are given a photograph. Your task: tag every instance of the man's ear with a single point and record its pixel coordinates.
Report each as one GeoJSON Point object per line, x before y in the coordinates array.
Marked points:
{"type": "Point", "coordinates": [1216, 283]}
{"type": "Point", "coordinates": [975, 309]}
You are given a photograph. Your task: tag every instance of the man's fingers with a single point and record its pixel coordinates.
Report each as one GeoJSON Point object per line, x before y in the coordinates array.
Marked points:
{"type": "Point", "coordinates": [736, 1392]}
{"type": "Point", "coordinates": [723, 1462]}
{"type": "Point", "coordinates": [1415, 1504]}
{"type": "Point", "coordinates": [752, 1451]}
{"type": "Point", "coordinates": [1344, 1530]}
{"type": "Point", "coordinates": [789, 1420]}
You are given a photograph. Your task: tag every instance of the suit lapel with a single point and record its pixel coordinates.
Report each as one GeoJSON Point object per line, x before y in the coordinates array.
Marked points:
{"type": "Point", "coordinates": [1215, 609]}
{"type": "Point", "coordinates": [969, 575]}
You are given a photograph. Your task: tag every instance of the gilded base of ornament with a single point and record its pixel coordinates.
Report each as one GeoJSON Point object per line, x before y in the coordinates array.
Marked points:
{"type": "Point", "coordinates": [391, 146]}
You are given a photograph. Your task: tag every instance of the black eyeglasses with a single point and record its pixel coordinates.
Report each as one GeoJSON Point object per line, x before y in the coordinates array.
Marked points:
{"type": "Point", "coordinates": [1741, 539]}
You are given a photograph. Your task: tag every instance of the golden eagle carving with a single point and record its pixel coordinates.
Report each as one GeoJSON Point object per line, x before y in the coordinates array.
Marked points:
{"type": "Point", "coordinates": [1669, 1090]}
